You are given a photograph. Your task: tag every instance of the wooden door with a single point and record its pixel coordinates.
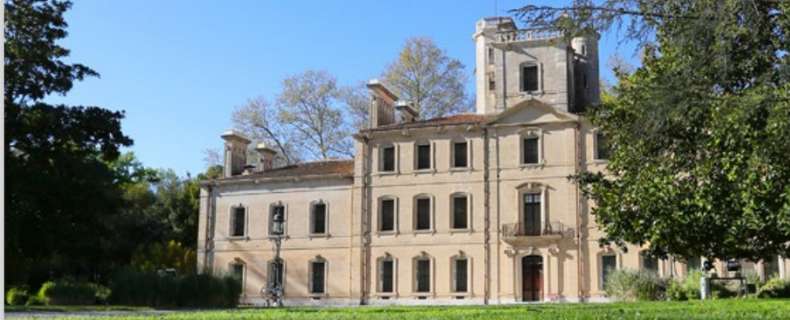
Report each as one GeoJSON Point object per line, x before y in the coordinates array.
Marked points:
{"type": "Point", "coordinates": [532, 278]}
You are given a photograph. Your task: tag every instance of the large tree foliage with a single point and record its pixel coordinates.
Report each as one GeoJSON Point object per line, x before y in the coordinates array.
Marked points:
{"type": "Point", "coordinates": [700, 132]}
{"type": "Point", "coordinates": [60, 192]}
{"type": "Point", "coordinates": [424, 75]}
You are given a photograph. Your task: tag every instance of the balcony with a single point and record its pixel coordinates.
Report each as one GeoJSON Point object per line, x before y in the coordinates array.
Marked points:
{"type": "Point", "coordinates": [519, 234]}
{"type": "Point", "coordinates": [512, 36]}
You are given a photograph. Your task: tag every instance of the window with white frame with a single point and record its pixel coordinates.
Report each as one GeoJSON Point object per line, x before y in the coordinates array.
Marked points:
{"type": "Point", "coordinates": [422, 152]}
{"type": "Point", "coordinates": [529, 77]}
{"type": "Point", "coordinates": [422, 213]}
{"type": "Point", "coordinates": [386, 274]}
{"type": "Point", "coordinates": [387, 158]}
{"type": "Point", "coordinates": [460, 274]}
{"type": "Point", "coordinates": [387, 214]}
{"type": "Point", "coordinates": [460, 211]}
{"type": "Point", "coordinates": [422, 274]}
{"type": "Point", "coordinates": [275, 210]}
{"type": "Point", "coordinates": [238, 221]}
{"type": "Point", "coordinates": [608, 265]}
{"type": "Point", "coordinates": [318, 218]}
{"type": "Point", "coordinates": [460, 154]}
{"type": "Point", "coordinates": [318, 277]}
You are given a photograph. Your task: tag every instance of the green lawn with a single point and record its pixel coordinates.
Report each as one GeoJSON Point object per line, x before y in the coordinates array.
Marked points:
{"type": "Point", "coordinates": [719, 309]}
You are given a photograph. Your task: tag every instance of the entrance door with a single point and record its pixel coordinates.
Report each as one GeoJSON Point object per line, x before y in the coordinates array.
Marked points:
{"type": "Point", "coordinates": [532, 278]}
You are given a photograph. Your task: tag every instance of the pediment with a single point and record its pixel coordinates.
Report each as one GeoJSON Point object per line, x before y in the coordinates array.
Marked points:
{"type": "Point", "coordinates": [533, 111]}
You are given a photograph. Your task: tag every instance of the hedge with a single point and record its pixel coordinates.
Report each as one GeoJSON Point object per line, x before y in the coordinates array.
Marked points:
{"type": "Point", "coordinates": [138, 288]}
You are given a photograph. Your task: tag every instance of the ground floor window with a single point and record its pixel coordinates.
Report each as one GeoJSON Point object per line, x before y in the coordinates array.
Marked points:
{"type": "Point", "coordinates": [387, 275]}
{"type": "Point", "coordinates": [460, 274]}
{"type": "Point", "coordinates": [423, 275]}
{"type": "Point", "coordinates": [608, 265]}
{"type": "Point", "coordinates": [318, 276]}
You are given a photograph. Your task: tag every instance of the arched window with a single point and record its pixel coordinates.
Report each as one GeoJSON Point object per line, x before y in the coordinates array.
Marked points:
{"type": "Point", "coordinates": [423, 212]}
{"type": "Point", "coordinates": [317, 275]}
{"type": "Point", "coordinates": [319, 218]}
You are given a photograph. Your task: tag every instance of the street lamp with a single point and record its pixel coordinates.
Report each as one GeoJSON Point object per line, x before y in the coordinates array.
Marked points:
{"type": "Point", "coordinates": [275, 285]}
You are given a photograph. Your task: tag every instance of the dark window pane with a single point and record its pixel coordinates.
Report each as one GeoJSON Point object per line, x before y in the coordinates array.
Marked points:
{"type": "Point", "coordinates": [318, 277]}
{"type": "Point", "coordinates": [319, 218]}
{"type": "Point", "coordinates": [275, 273]}
{"type": "Point", "coordinates": [460, 275]}
{"type": "Point", "coordinates": [532, 214]}
{"type": "Point", "coordinates": [423, 214]}
{"type": "Point", "coordinates": [276, 211]}
{"type": "Point", "coordinates": [771, 267]}
{"type": "Point", "coordinates": [387, 215]}
{"type": "Point", "coordinates": [602, 146]}
{"type": "Point", "coordinates": [460, 154]}
{"type": "Point", "coordinates": [423, 275]}
{"type": "Point", "coordinates": [608, 264]}
{"type": "Point", "coordinates": [459, 213]}
{"type": "Point", "coordinates": [388, 159]}
{"type": "Point", "coordinates": [238, 221]}
{"type": "Point", "coordinates": [694, 263]}
{"type": "Point", "coordinates": [237, 271]}
{"type": "Point", "coordinates": [530, 150]}
{"type": "Point", "coordinates": [649, 263]}
{"type": "Point", "coordinates": [529, 78]}
{"type": "Point", "coordinates": [423, 156]}
{"type": "Point", "coordinates": [387, 273]}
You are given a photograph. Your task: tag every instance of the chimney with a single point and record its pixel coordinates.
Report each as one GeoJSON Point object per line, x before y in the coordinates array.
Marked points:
{"type": "Point", "coordinates": [235, 152]}
{"type": "Point", "coordinates": [266, 159]}
{"type": "Point", "coordinates": [382, 104]}
{"type": "Point", "coordinates": [407, 112]}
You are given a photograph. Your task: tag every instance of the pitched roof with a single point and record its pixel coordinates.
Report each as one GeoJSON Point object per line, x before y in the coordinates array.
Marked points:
{"type": "Point", "coordinates": [344, 168]}
{"type": "Point", "coordinates": [457, 119]}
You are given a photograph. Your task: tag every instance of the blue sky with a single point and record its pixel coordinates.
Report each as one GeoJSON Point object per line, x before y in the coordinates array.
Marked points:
{"type": "Point", "coordinates": [178, 68]}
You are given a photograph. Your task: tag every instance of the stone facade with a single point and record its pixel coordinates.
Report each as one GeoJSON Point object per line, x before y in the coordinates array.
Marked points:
{"type": "Point", "coordinates": [473, 208]}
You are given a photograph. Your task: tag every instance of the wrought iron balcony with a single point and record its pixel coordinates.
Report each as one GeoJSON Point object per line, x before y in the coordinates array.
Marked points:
{"type": "Point", "coordinates": [518, 233]}
{"type": "Point", "coordinates": [526, 35]}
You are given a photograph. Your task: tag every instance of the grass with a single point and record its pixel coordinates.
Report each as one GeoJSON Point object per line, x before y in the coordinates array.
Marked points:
{"type": "Point", "coordinates": [717, 309]}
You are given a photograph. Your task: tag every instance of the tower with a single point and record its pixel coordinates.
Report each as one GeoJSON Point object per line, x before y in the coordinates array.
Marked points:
{"type": "Point", "coordinates": [514, 65]}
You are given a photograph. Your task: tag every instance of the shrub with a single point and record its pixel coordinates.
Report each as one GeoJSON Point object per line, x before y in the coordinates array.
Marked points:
{"type": "Point", "coordinates": [16, 296]}
{"type": "Point", "coordinates": [775, 288]}
{"type": "Point", "coordinates": [131, 287]}
{"type": "Point", "coordinates": [70, 292]}
{"type": "Point", "coordinates": [686, 288]}
{"type": "Point", "coordinates": [165, 256]}
{"type": "Point", "coordinates": [34, 300]}
{"type": "Point", "coordinates": [630, 285]}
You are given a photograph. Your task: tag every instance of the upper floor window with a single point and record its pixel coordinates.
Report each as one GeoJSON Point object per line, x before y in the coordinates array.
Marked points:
{"type": "Point", "coordinates": [422, 213]}
{"type": "Point", "coordinates": [460, 270]}
{"type": "Point", "coordinates": [530, 147]}
{"type": "Point", "coordinates": [317, 276]}
{"type": "Point", "coordinates": [276, 211]}
{"type": "Point", "coordinates": [238, 221]}
{"type": "Point", "coordinates": [423, 152]}
{"type": "Point", "coordinates": [387, 158]}
{"type": "Point", "coordinates": [532, 214]}
{"type": "Point", "coordinates": [490, 55]}
{"type": "Point", "coordinates": [460, 209]}
{"type": "Point", "coordinates": [529, 77]}
{"type": "Point", "coordinates": [387, 215]}
{"type": "Point", "coordinates": [608, 265]}
{"type": "Point", "coordinates": [601, 146]}
{"type": "Point", "coordinates": [460, 154]}
{"type": "Point", "coordinates": [318, 218]}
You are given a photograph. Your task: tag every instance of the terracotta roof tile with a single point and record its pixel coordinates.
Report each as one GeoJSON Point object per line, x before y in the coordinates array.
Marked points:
{"type": "Point", "coordinates": [315, 168]}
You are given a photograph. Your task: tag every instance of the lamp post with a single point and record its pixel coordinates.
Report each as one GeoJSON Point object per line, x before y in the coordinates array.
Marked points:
{"type": "Point", "coordinates": [275, 285]}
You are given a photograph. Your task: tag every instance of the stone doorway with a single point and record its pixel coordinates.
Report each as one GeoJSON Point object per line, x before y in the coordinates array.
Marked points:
{"type": "Point", "coordinates": [532, 278]}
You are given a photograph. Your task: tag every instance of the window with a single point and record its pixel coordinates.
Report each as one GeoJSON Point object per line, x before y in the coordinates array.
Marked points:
{"type": "Point", "coordinates": [460, 212]}
{"type": "Point", "coordinates": [423, 156]}
{"type": "Point", "coordinates": [387, 216]}
{"type": "Point", "coordinates": [608, 264]}
{"type": "Point", "coordinates": [532, 214]}
{"type": "Point", "coordinates": [460, 275]}
{"type": "Point", "coordinates": [387, 275]}
{"type": "Point", "coordinates": [529, 78]}
{"type": "Point", "coordinates": [275, 211]}
{"type": "Point", "coordinates": [423, 214]}
{"type": "Point", "coordinates": [237, 221]}
{"type": "Point", "coordinates": [601, 146]}
{"type": "Point", "coordinates": [649, 263]}
{"type": "Point", "coordinates": [388, 158]}
{"type": "Point", "coordinates": [771, 267]}
{"type": "Point", "coordinates": [491, 55]}
{"type": "Point", "coordinates": [318, 276]}
{"type": "Point", "coordinates": [423, 275]}
{"type": "Point", "coordinates": [275, 272]}
{"type": "Point", "coordinates": [460, 154]}
{"type": "Point", "coordinates": [318, 218]}
{"type": "Point", "coordinates": [531, 150]}
{"type": "Point", "coordinates": [693, 263]}
{"type": "Point", "coordinates": [237, 271]}
{"type": "Point", "coordinates": [491, 84]}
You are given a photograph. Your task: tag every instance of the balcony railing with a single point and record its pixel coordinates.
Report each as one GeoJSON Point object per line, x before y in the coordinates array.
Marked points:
{"type": "Point", "coordinates": [527, 35]}
{"type": "Point", "coordinates": [553, 228]}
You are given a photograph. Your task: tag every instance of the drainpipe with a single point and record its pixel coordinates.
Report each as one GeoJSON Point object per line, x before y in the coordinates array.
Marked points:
{"type": "Point", "coordinates": [366, 205]}
{"type": "Point", "coordinates": [487, 223]}
{"type": "Point", "coordinates": [208, 261]}
{"type": "Point", "coordinates": [579, 200]}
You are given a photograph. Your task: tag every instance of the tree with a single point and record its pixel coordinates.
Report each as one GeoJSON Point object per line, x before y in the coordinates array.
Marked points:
{"type": "Point", "coordinates": [60, 190]}
{"type": "Point", "coordinates": [699, 133]}
{"type": "Point", "coordinates": [424, 75]}
{"type": "Point", "coordinates": [308, 121]}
